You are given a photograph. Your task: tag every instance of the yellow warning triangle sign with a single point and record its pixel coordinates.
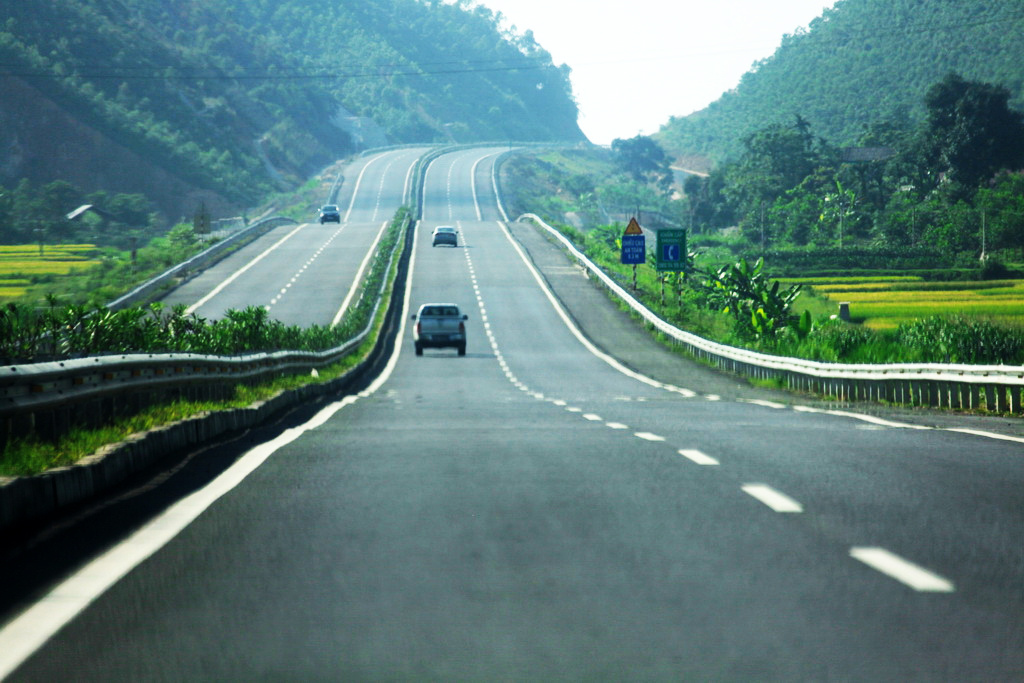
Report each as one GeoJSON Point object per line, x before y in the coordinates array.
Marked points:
{"type": "Point", "coordinates": [633, 228]}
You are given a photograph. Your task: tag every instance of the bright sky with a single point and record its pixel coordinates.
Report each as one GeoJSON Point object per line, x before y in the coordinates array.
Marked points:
{"type": "Point", "coordinates": [635, 63]}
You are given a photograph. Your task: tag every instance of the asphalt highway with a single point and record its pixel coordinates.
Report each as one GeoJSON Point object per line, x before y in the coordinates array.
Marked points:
{"type": "Point", "coordinates": [570, 500]}
{"type": "Point", "coordinates": [304, 274]}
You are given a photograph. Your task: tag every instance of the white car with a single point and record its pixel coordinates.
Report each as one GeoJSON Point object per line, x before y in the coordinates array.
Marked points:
{"type": "Point", "coordinates": [444, 234]}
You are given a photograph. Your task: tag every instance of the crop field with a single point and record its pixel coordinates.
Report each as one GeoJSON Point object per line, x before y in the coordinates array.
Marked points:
{"type": "Point", "coordinates": [21, 266]}
{"type": "Point", "coordinates": [21, 262]}
{"type": "Point", "coordinates": [884, 303]}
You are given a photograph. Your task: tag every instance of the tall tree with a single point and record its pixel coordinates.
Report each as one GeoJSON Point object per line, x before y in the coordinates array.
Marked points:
{"type": "Point", "coordinates": [643, 159]}
{"type": "Point", "coordinates": [971, 132]}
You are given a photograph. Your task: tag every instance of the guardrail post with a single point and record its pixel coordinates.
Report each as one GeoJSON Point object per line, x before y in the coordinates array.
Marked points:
{"type": "Point", "coordinates": [974, 397]}
{"type": "Point", "coordinates": [1001, 396]}
{"type": "Point", "coordinates": [990, 399]}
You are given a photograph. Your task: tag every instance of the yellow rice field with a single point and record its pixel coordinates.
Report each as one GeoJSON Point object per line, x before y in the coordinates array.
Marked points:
{"type": "Point", "coordinates": [20, 264]}
{"type": "Point", "coordinates": [885, 304]}
{"type": "Point", "coordinates": [24, 260]}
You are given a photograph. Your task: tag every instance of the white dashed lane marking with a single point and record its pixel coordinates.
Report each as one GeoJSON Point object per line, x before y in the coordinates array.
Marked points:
{"type": "Point", "coordinates": [916, 577]}
{"type": "Point", "coordinates": [697, 457]}
{"type": "Point", "coordinates": [777, 501]}
{"type": "Point", "coordinates": [647, 436]}
{"type": "Point", "coordinates": [904, 571]}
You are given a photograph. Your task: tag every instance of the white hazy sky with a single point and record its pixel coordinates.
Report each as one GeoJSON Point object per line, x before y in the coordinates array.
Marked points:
{"type": "Point", "coordinates": [635, 63]}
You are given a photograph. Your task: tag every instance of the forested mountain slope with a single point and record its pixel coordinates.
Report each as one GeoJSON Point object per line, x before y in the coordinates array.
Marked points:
{"type": "Point", "coordinates": [218, 99]}
{"type": "Point", "coordinates": [862, 62]}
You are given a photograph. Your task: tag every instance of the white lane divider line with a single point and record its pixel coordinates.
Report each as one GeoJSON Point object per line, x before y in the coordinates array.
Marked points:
{"type": "Point", "coordinates": [616, 425]}
{"type": "Point", "coordinates": [647, 436]}
{"type": "Point", "coordinates": [777, 501]}
{"type": "Point", "coordinates": [234, 276]}
{"type": "Point", "coordinates": [592, 417]}
{"type": "Point", "coordinates": [697, 457]}
{"type": "Point", "coordinates": [904, 571]}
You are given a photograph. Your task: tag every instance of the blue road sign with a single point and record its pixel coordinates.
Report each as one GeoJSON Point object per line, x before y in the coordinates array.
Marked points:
{"type": "Point", "coordinates": [634, 249]}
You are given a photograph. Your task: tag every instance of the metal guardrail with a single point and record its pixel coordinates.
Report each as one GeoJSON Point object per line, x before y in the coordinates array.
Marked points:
{"type": "Point", "coordinates": [995, 388]}
{"type": "Point", "coordinates": [200, 260]}
{"type": "Point", "coordinates": [46, 398]}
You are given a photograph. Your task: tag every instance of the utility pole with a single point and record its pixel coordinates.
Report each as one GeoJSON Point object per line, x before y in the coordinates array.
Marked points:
{"type": "Point", "coordinates": [983, 256]}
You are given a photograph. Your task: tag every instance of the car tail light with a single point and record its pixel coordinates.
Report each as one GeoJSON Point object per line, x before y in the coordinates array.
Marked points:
{"type": "Point", "coordinates": [462, 328]}
{"type": "Point", "coordinates": [418, 328]}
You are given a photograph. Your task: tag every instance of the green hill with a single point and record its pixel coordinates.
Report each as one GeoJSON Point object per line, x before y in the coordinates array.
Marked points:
{"type": "Point", "coordinates": [862, 62]}
{"type": "Point", "coordinates": [221, 100]}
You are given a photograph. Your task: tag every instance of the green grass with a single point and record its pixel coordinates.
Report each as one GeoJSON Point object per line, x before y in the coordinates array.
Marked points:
{"type": "Point", "coordinates": [32, 456]}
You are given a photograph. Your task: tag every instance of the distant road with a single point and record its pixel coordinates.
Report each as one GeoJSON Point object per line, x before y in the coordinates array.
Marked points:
{"type": "Point", "coordinates": [303, 273]}
{"type": "Point", "coordinates": [688, 171]}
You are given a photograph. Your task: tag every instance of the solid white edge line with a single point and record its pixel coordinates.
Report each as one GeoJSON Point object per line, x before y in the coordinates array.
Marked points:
{"type": "Point", "coordinates": [359, 275]}
{"type": "Point", "coordinates": [762, 403]}
{"type": "Point", "coordinates": [26, 633]}
{"type": "Point", "coordinates": [578, 334]}
{"type": "Point", "coordinates": [219, 288]}
{"type": "Point", "coordinates": [497, 195]}
{"type": "Point", "coordinates": [904, 571]}
{"type": "Point", "coordinates": [359, 181]}
{"type": "Point", "coordinates": [472, 187]}
{"type": "Point", "coordinates": [472, 184]}
{"type": "Point", "coordinates": [777, 501]}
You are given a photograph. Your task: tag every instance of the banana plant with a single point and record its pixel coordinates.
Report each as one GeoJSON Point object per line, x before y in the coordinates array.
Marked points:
{"type": "Point", "coordinates": [760, 307]}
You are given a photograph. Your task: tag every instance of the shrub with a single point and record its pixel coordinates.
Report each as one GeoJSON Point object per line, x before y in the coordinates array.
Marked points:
{"type": "Point", "coordinates": [956, 339]}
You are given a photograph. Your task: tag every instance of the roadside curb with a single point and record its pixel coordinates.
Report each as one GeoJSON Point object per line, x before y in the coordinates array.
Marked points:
{"type": "Point", "coordinates": [28, 499]}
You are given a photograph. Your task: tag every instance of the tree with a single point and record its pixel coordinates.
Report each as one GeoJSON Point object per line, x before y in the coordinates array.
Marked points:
{"type": "Point", "coordinates": [643, 160]}
{"type": "Point", "coordinates": [971, 131]}
{"type": "Point", "coordinates": [1003, 211]}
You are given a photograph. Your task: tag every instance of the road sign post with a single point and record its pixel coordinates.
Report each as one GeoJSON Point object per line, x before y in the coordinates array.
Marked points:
{"type": "Point", "coordinates": [634, 247]}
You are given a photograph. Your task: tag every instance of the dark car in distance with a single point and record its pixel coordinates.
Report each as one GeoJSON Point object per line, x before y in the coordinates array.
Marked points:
{"type": "Point", "coordinates": [329, 214]}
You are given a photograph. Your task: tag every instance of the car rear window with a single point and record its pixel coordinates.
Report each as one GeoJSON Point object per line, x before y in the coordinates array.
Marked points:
{"type": "Point", "coordinates": [440, 310]}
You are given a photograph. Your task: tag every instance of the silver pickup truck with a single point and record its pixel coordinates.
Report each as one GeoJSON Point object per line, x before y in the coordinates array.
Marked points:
{"type": "Point", "coordinates": [439, 326]}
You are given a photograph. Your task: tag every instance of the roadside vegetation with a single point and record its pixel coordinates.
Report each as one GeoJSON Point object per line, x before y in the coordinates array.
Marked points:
{"type": "Point", "coordinates": [62, 330]}
{"type": "Point", "coordinates": [155, 329]}
{"type": "Point", "coordinates": [108, 250]}
{"type": "Point", "coordinates": [930, 225]}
